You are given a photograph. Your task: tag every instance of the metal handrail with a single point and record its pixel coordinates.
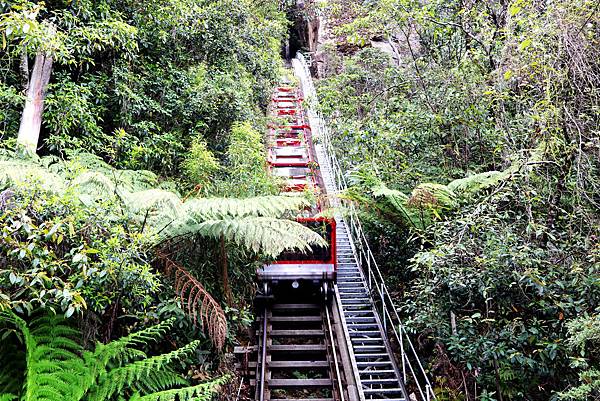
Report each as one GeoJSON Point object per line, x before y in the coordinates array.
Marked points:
{"type": "Point", "coordinates": [411, 366]}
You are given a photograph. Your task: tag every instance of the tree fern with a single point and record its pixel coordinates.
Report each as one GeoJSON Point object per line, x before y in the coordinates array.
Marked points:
{"type": "Point", "coordinates": [18, 172]}
{"type": "Point", "coordinates": [396, 204]}
{"type": "Point", "coordinates": [163, 212]}
{"type": "Point", "coordinates": [155, 208]}
{"type": "Point", "coordinates": [260, 206]}
{"type": "Point", "coordinates": [266, 235]}
{"type": "Point", "coordinates": [477, 182]}
{"type": "Point", "coordinates": [426, 203]}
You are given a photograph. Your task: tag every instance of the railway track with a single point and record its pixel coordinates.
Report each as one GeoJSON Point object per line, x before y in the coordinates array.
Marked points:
{"type": "Point", "coordinates": [297, 354]}
{"type": "Point", "coordinates": [324, 317]}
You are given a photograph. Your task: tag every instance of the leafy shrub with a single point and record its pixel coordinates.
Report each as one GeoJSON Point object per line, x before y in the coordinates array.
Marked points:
{"type": "Point", "coordinates": [62, 254]}
{"type": "Point", "coordinates": [200, 164]}
{"type": "Point", "coordinates": [245, 166]}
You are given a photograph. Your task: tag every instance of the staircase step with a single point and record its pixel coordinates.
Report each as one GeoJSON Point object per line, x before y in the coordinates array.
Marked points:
{"type": "Point", "coordinates": [369, 364]}
{"type": "Point", "coordinates": [368, 348]}
{"type": "Point", "coordinates": [372, 356]}
{"type": "Point", "coordinates": [365, 333]}
{"type": "Point", "coordinates": [382, 399]}
{"type": "Point", "coordinates": [379, 381]}
{"type": "Point", "coordinates": [357, 319]}
{"type": "Point", "coordinates": [302, 399]}
{"type": "Point", "coordinates": [360, 301]}
{"type": "Point", "coordinates": [382, 391]}
{"type": "Point", "coordinates": [356, 341]}
{"type": "Point", "coordinates": [376, 372]}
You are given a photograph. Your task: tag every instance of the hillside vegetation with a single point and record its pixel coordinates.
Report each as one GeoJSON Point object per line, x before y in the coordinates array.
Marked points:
{"type": "Point", "coordinates": [471, 133]}
{"type": "Point", "coordinates": [135, 205]}
{"type": "Point", "coordinates": [134, 201]}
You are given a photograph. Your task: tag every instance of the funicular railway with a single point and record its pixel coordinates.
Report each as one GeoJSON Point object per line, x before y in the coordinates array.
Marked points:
{"type": "Point", "coordinates": [327, 328]}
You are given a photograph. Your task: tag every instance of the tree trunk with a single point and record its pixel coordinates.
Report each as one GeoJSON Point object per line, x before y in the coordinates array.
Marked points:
{"type": "Point", "coordinates": [225, 274]}
{"type": "Point", "coordinates": [24, 67]}
{"type": "Point", "coordinates": [31, 120]}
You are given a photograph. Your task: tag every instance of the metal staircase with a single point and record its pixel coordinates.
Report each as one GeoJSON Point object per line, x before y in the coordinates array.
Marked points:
{"type": "Point", "coordinates": [371, 319]}
{"type": "Point", "coordinates": [377, 371]}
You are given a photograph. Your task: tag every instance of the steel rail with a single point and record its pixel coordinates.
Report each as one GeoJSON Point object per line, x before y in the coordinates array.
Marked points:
{"type": "Point", "coordinates": [361, 248]}
{"type": "Point", "coordinates": [263, 357]}
{"type": "Point", "coordinates": [338, 377]}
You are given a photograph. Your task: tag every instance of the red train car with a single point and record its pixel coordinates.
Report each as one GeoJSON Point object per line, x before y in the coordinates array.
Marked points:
{"type": "Point", "coordinates": [291, 158]}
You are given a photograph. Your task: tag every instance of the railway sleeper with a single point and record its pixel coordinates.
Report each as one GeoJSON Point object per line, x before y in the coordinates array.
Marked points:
{"type": "Point", "coordinates": [296, 383]}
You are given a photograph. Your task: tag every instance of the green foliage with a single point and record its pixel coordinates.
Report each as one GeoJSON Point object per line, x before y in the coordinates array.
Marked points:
{"type": "Point", "coordinates": [584, 336]}
{"type": "Point", "coordinates": [498, 100]}
{"type": "Point", "coordinates": [58, 368]}
{"type": "Point", "coordinates": [510, 288]}
{"type": "Point", "coordinates": [82, 241]}
{"type": "Point", "coordinates": [138, 85]}
{"type": "Point", "coordinates": [427, 203]}
{"type": "Point", "coordinates": [200, 164]}
{"type": "Point", "coordinates": [247, 174]}
{"type": "Point", "coordinates": [260, 206]}
{"type": "Point", "coordinates": [265, 235]}
{"type": "Point", "coordinates": [62, 254]}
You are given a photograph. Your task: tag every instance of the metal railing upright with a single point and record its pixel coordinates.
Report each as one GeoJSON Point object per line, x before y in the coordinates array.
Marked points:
{"type": "Point", "coordinates": [410, 364]}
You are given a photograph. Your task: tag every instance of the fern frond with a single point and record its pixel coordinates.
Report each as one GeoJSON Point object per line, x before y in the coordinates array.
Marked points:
{"type": "Point", "coordinates": [201, 392]}
{"type": "Point", "coordinates": [116, 380]}
{"type": "Point", "coordinates": [430, 195]}
{"type": "Point", "coordinates": [95, 184]}
{"type": "Point", "coordinates": [156, 207]}
{"type": "Point", "coordinates": [20, 172]}
{"type": "Point", "coordinates": [198, 303]}
{"type": "Point", "coordinates": [118, 350]}
{"type": "Point", "coordinates": [477, 182]}
{"type": "Point", "coordinates": [8, 397]}
{"type": "Point", "coordinates": [53, 373]}
{"type": "Point", "coordinates": [396, 202]}
{"type": "Point", "coordinates": [159, 381]}
{"type": "Point", "coordinates": [266, 235]}
{"type": "Point", "coordinates": [259, 206]}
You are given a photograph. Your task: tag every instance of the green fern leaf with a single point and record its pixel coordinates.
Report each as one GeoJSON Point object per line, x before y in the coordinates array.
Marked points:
{"type": "Point", "coordinates": [477, 182]}
{"type": "Point", "coordinates": [118, 351]}
{"type": "Point", "coordinates": [116, 380]}
{"type": "Point", "coordinates": [260, 206]}
{"type": "Point", "coordinates": [266, 235]}
{"type": "Point", "coordinates": [201, 392]}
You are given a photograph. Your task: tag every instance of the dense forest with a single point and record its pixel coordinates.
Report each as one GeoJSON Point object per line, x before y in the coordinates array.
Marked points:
{"type": "Point", "coordinates": [135, 205]}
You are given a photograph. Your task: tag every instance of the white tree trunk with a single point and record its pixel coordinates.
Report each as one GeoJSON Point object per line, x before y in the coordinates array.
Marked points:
{"type": "Point", "coordinates": [31, 119]}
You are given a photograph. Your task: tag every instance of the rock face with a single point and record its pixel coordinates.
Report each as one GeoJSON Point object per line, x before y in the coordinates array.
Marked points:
{"type": "Point", "coordinates": [315, 33]}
